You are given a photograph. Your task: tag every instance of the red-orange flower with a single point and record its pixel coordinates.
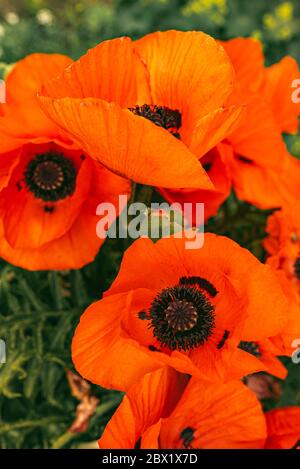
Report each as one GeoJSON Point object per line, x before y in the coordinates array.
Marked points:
{"type": "Point", "coordinates": [263, 173]}
{"type": "Point", "coordinates": [283, 243]}
{"type": "Point", "coordinates": [185, 308]}
{"type": "Point", "coordinates": [254, 161]}
{"type": "Point", "coordinates": [206, 416]}
{"type": "Point", "coordinates": [49, 186]}
{"type": "Point", "coordinates": [283, 427]}
{"type": "Point", "coordinates": [148, 109]}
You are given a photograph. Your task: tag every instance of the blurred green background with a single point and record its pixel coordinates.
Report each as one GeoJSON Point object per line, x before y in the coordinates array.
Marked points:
{"type": "Point", "coordinates": [72, 26]}
{"type": "Point", "coordinates": [39, 310]}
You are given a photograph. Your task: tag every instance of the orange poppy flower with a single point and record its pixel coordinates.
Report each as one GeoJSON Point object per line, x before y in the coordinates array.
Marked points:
{"type": "Point", "coordinates": [148, 109]}
{"type": "Point", "coordinates": [185, 308]}
{"type": "Point", "coordinates": [283, 427]}
{"type": "Point", "coordinates": [255, 163]}
{"type": "Point", "coordinates": [263, 173]}
{"type": "Point", "coordinates": [283, 243]}
{"type": "Point", "coordinates": [205, 416]}
{"type": "Point", "coordinates": [49, 186]}
{"type": "Point", "coordinates": [256, 141]}
{"type": "Point", "coordinates": [285, 341]}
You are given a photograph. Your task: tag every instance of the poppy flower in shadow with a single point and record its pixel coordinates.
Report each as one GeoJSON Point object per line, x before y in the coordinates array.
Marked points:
{"type": "Point", "coordinates": [253, 159]}
{"type": "Point", "coordinates": [49, 186]}
{"type": "Point", "coordinates": [283, 243]}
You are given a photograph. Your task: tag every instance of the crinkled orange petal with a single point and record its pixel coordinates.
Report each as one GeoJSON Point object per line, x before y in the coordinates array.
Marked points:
{"type": "Point", "coordinates": [67, 252]}
{"type": "Point", "coordinates": [29, 74]}
{"type": "Point", "coordinates": [285, 339]}
{"type": "Point", "coordinates": [127, 144]}
{"type": "Point", "coordinates": [150, 438]}
{"type": "Point", "coordinates": [263, 189]}
{"type": "Point", "coordinates": [258, 137]}
{"type": "Point", "coordinates": [105, 356]}
{"type": "Point", "coordinates": [111, 71]}
{"type": "Point", "coordinates": [264, 186]}
{"type": "Point", "coordinates": [273, 364]}
{"type": "Point", "coordinates": [146, 402]}
{"type": "Point", "coordinates": [283, 426]}
{"type": "Point", "coordinates": [247, 58]}
{"type": "Point", "coordinates": [189, 71]}
{"type": "Point", "coordinates": [214, 127]}
{"type": "Point", "coordinates": [226, 416]}
{"type": "Point", "coordinates": [283, 227]}
{"type": "Point", "coordinates": [8, 162]}
{"type": "Point", "coordinates": [218, 171]}
{"type": "Point", "coordinates": [225, 364]}
{"type": "Point", "coordinates": [268, 317]}
{"type": "Point", "coordinates": [278, 91]}
{"type": "Point", "coordinates": [22, 117]}
{"type": "Point", "coordinates": [133, 274]}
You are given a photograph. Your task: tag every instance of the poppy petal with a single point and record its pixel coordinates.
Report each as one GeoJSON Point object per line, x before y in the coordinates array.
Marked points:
{"type": "Point", "coordinates": [152, 397]}
{"type": "Point", "coordinates": [97, 336]}
{"type": "Point", "coordinates": [270, 187]}
{"type": "Point", "coordinates": [67, 252]}
{"type": "Point", "coordinates": [22, 117]}
{"type": "Point", "coordinates": [189, 71]}
{"type": "Point", "coordinates": [150, 438]}
{"type": "Point", "coordinates": [215, 163]}
{"type": "Point", "coordinates": [283, 427]}
{"type": "Point", "coordinates": [220, 417]}
{"type": "Point", "coordinates": [278, 90]}
{"type": "Point", "coordinates": [37, 68]}
{"type": "Point", "coordinates": [213, 128]}
{"type": "Point", "coordinates": [111, 71]}
{"type": "Point", "coordinates": [8, 162]}
{"type": "Point", "coordinates": [258, 136]}
{"type": "Point", "coordinates": [247, 58]}
{"type": "Point", "coordinates": [129, 145]}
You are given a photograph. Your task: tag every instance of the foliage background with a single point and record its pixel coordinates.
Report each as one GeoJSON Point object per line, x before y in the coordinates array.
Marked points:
{"type": "Point", "coordinates": [39, 310]}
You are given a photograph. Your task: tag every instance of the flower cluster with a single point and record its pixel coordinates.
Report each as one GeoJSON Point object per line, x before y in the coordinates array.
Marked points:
{"type": "Point", "coordinates": [179, 330]}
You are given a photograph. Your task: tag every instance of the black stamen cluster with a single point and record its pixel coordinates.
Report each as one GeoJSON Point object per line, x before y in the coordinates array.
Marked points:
{"type": "Point", "coordinates": [50, 177]}
{"type": "Point", "coordinates": [161, 116]}
{"type": "Point", "coordinates": [194, 316]}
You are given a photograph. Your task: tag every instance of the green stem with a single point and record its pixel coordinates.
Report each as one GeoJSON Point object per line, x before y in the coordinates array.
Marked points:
{"type": "Point", "coordinates": [62, 440]}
